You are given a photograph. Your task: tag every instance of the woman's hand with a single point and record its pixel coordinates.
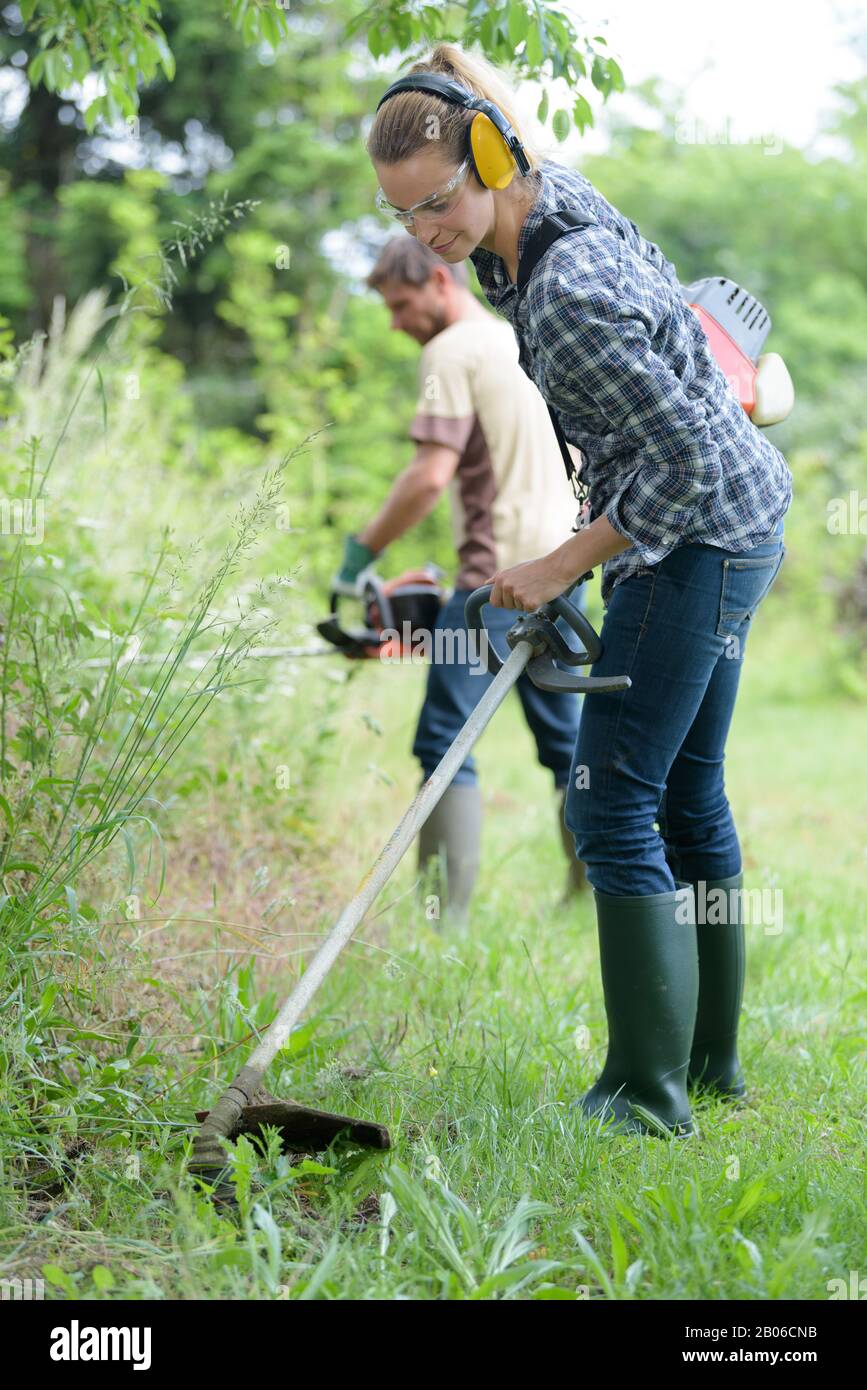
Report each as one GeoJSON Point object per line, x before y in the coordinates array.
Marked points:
{"type": "Point", "coordinates": [531, 584]}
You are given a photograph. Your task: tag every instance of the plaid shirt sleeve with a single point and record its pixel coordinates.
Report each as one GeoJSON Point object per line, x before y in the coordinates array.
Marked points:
{"type": "Point", "coordinates": [594, 336]}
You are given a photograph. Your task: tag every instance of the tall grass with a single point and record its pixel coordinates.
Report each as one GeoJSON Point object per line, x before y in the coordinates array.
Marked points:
{"type": "Point", "coordinates": [89, 725]}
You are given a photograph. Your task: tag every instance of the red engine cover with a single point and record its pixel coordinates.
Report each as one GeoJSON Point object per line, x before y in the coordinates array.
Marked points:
{"type": "Point", "coordinates": [738, 369]}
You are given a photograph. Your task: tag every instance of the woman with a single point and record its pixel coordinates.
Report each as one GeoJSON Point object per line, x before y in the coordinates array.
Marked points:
{"type": "Point", "coordinates": [687, 500]}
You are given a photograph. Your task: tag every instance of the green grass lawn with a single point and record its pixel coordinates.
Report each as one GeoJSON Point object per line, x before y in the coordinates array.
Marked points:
{"type": "Point", "coordinates": [470, 1048]}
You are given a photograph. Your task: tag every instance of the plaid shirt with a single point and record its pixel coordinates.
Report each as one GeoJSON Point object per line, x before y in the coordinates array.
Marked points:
{"type": "Point", "coordinates": [669, 454]}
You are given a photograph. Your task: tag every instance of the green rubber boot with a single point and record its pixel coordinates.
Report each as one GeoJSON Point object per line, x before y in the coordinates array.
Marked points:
{"type": "Point", "coordinates": [451, 837]}
{"type": "Point", "coordinates": [649, 960]}
{"type": "Point", "coordinates": [713, 1064]}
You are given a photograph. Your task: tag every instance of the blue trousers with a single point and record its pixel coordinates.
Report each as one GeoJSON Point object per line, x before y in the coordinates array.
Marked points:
{"type": "Point", "coordinates": [646, 800]}
{"type": "Point", "coordinates": [455, 687]}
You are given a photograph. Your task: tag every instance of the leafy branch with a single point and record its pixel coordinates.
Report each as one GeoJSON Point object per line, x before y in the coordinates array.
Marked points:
{"type": "Point", "coordinates": [124, 46]}
{"type": "Point", "coordinates": [535, 37]}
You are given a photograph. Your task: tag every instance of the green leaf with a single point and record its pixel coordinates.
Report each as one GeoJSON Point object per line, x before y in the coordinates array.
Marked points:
{"type": "Point", "coordinates": [54, 73]}
{"type": "Point", "coordinates": [250, 27]}
{"type": "Point", "coordinates": [533, 51]}
{"type": "Point", "coordinates": [58, 1277]}
{"type": "Point", "coordinates": [519, 22]}
{"type": "Point", "coordinates": [80, 60]}
{"type": "Point", "coordinates": [402, 29]}
{"type": "Point", "coordinates": [561, 124]}
{"type": "Point", "coordinates": [102, 1277]}
{"type": "Point", "coordinates": [167, 59]}
{"type": "Point", "coordinates": [102, 397]}
{"type": "Point", "coordinates": [7, 811]}
{"type": "Point", "coordinates": [92, 114]}
{"type": "Point", "coordinates": [628, 1214]}
{"type": "Point", "coordinates": [599, 75]}
{"type": "Point", "coordinates": [542, 109]}
{"type": "Point", "coordinates": [87, 1035]}
{"type": "Point", "coordinates": [582, 113]}
{"type": "Point", "coordinates": [619, 1252]}
{"type": "Point", "coordinates": [270, 28]}
{"type": "Point", "coordinates": [754, 1194]}
{"type": "Point", "coordinates": [300, 1038]}
{"type": "Point", "coordinates": [309, 1165]}
{"type": "Point", "coordinates": [148, 57]}
{"type": "Point", "coordinates": [49, 994]}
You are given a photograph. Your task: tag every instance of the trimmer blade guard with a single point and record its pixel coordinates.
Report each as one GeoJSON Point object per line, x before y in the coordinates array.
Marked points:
{"type": "Point", "coordinates": [399, 614]}
{"type": "Point", "coordinates": [306, 1131]}
{"type": "Point", "coordinates": [360, 645]}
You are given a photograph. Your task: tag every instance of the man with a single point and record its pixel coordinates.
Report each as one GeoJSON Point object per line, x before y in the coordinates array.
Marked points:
{"type": "Point", "coordinates": [481, 429]}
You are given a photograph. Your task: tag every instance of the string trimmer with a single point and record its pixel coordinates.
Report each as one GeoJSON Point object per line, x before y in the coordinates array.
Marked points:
{"type": "Point", "coordinates": [244, 1108]}
{"type": "Point", "coordinates": [394, 610]}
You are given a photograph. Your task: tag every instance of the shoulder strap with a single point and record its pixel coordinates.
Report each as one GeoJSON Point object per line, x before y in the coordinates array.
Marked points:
{"type": "Point", "coordinates": [552, 226]}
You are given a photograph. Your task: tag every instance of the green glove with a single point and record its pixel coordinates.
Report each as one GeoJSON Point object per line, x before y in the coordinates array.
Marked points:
{"type": "Point", "coordinates": [357, 557]}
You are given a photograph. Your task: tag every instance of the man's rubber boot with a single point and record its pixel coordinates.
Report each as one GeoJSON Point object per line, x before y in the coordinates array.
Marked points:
{"type": "Point", "coordinates": [452, 836]}
{"type": "Point", "coordinates": [649, 960]}
{"type": "Point", "coordinates": [713, 1065]}
{"type": "Point", "coordinates": [576, 878]}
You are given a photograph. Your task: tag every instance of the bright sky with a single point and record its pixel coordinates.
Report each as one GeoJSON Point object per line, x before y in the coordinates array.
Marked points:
{"type": "Point", "coordinates": [757, 70]}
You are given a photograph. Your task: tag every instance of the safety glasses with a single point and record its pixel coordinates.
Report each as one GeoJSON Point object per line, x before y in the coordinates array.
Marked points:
{"type": "Point", "coordinates": [436, 205]}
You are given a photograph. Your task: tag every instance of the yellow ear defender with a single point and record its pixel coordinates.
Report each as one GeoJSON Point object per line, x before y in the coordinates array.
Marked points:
{"type": "Point", "coordinates": [493, 147]}
{"type": "Point", "coordinates": [492, 158]}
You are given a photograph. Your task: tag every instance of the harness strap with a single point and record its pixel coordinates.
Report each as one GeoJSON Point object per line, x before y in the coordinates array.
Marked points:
{"type": "Point", "coordinates": [552, 226]}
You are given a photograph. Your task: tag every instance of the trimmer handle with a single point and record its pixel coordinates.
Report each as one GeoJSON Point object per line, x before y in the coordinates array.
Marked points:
{"type": "Point", "coordinates": [539, 629]}
{"type": "Point", "coordinates": [352, 644]}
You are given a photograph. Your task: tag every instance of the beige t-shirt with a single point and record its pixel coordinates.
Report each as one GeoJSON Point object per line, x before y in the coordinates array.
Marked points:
{"type": "Point", "coordinates": [510, 498]}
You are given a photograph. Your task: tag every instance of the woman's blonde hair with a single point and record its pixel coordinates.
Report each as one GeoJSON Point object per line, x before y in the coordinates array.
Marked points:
{"type": "Point", "coordinates": [402, 125]}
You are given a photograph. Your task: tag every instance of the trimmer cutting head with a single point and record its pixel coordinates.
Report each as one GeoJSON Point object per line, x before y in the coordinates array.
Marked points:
{"type": "Point", "coordinates": [302, 1130]}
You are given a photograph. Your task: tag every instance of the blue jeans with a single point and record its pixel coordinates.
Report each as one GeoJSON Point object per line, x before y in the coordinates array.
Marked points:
{"type": "Point", "coordinates": [454, 688]}
{"type": "Point", "coordinates": [653, 755]}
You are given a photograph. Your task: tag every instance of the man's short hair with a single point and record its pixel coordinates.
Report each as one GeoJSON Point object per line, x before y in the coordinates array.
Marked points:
{"type": "Point", "coordinates": [408, 261]}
